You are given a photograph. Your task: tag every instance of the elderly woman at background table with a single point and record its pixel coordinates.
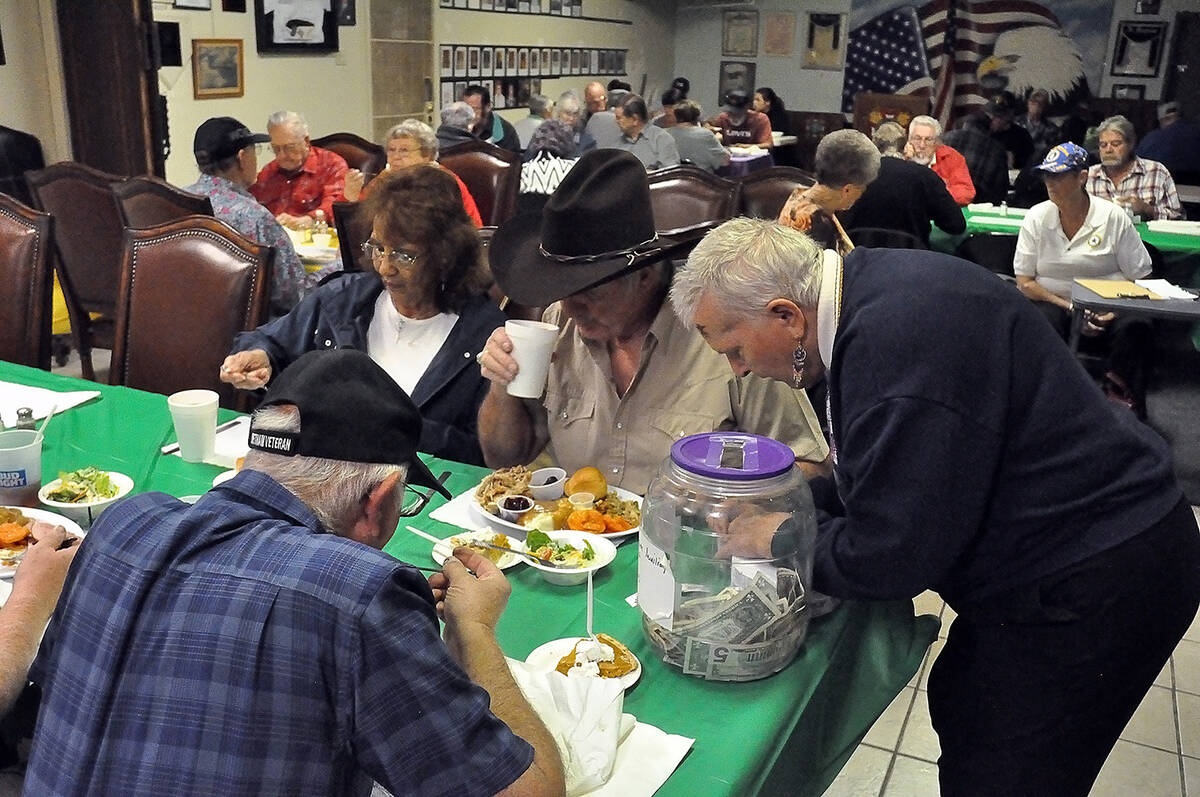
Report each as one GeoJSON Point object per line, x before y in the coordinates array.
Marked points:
{"type": "Point", "coordinates": [411, 143]}
{"type": "Point", "coordinates": [1076, 235]}
{"type": "Point", "coordinates": [422, 314]}
{"type": "Point", "coordinates": [696, 144]}
{"type": "Point", "coordinates": [846, 162]}
{"type": "Point", "coordinates": [974, 457]}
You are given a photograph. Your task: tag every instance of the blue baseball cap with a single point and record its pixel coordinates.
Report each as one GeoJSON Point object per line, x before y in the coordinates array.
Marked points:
{"type": "Point", "coordinates": [1064, 158]}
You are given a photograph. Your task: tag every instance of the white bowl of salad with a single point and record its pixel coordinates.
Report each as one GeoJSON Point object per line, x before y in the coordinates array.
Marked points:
{"type": "Point", "coordinates": [83, 494]}
{"type": "Point", "coordinates": [581, 552]}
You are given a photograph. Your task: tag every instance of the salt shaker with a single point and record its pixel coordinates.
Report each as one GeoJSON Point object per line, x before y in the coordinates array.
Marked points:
{"type": "Point", "coordinates": [25, 418]}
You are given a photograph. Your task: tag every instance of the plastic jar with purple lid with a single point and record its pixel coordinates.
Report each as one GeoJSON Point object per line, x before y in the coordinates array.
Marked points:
{"type": "Point", "coordinates": [725, 556]}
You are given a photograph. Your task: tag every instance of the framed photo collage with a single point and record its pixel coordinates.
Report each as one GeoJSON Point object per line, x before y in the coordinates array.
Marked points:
{"type": "Point", "coordinates": [512, 73]}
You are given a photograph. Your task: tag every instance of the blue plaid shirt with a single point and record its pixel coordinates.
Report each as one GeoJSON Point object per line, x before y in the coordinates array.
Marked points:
{"type": "Point", "coordinates": [231, 648]}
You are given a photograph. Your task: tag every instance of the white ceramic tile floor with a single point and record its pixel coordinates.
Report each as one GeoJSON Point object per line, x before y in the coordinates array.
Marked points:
{"type": "Point", "coordinates": [1158, 754]}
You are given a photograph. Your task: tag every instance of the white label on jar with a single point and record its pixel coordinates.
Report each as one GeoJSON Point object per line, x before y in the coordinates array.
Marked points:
{"type": "Point", "coordinates": [656, 583]}
{"type": "Point", "coordinates": [742, 572]}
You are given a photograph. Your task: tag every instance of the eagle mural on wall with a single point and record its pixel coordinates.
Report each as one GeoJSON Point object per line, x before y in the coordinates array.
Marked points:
{"type": "Point", "coordinates": [960, 52]}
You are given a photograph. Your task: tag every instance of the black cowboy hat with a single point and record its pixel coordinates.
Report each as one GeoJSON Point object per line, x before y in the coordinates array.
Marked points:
{"type": "Point", "coordinates": [597, 226]}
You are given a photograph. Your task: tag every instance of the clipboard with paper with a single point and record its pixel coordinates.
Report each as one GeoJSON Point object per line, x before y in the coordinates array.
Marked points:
{"type": "Point", "coordinates": [1118, 289]}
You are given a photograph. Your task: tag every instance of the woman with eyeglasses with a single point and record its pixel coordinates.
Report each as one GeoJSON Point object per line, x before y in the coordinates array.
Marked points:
{"type": "Point", "coordinates": [422, 314]}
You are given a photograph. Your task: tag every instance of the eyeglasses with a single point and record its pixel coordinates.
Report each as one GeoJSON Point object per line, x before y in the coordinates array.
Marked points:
{"type": "Point", "coordinates": [922, 139]}
{"type": "Point", "coordinates": [397, 257]}
{"type": "Point", "coordinates": [291, 149]}
{"type": "Point", "coordinates": [417, 502]}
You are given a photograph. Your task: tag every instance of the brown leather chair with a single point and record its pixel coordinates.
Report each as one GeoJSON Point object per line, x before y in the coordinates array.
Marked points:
{"type": "Point", "coordinates": [187, 288]}
{"type": "Point", "coordinates": [491, 174]}
{"type": "Point", "coordinates": [147, 201]}
{"type": "Point", "coordinates": [26, 280]}
{"type": "Point", "coordinates": [353, 230]}
{"type": "Point", "coordinates": [764, 192]}
{"type": "Point", "coordinates": [685, 196]}
{"type": "Point", "coordinates": [87, 248]}
{"type": "Point", "coordinates": [366, 156]}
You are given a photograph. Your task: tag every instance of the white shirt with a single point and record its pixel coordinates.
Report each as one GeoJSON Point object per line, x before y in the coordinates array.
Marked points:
{"type": "Point", "coordinates": [1107, 246]}
{"type": "Point", "coordinates": [403, 346]}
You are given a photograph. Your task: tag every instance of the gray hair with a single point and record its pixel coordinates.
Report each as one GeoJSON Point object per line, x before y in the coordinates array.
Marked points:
{"type": "Point", "coordinates": [846, 157]}
{"type": "Point", "coordinates": [927, 121]}
{"type": "Point", "coordinates": [748, 263]}
{"type": "Point", "coordinates": [289, 119]}
{"type": "Point", "coordinates": [539, 104]}
{"type": "Point", "coordinates": [889, 137]}
{"type": "Point", "coordinates": [331, 488]}
{"type": "Point", "coordinates": [419, 132]}
{"type": "Point", "coordinates": [458, 114]}
{"type": "Point", "coordinates": [1120, 125]}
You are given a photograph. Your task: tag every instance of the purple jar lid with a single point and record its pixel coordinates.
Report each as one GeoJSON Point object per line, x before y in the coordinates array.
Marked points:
{"type": "Point", "coordinates": [733, 456]}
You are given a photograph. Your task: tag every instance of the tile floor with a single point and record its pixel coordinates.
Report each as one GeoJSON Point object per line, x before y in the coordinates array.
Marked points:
{"type": "Point", "coordinates": [1158, 754]}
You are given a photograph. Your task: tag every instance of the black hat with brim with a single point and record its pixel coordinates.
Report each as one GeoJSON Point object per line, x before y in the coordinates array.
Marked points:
{"type": "Point", "coordinates": [381, 426]}
{"type": "Point", "coordinates": [597, 226]}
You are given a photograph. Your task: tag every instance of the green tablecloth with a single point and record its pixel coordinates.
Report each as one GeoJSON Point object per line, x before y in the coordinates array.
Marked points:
{"type": "Point", "coordinates": [788, 734]}
{"type": "Point", "coordinates": [990, 222]}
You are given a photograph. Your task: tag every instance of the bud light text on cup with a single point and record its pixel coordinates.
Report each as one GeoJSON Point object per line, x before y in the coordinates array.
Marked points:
{"type": "Point", "coordinates": [10, 479]}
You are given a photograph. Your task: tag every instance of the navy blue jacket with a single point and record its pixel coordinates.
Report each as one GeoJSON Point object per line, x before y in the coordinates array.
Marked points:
{"type": "Point", "coordinates": [973, 453]}
{"type": "Point", "coordinates": [337, 316]}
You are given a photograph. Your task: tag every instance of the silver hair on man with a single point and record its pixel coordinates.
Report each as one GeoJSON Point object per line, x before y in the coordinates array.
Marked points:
{"type": "Point", "coordinates": [289, 119]}
{"type": "Point", "coordinates": [748, 263]}
{"type": "Point", "coordinates": [419, 132]}
{"type": "Point", "coordinates": [331, 488]}
{"type": "Point", "coordinates": [927, 121]}
{"type": "Point", "coordinates": [458, 114]}
{"type": "Point", "coordinates": [1119, 125]}
{"type": "Point", "coordinates": [846, 157]}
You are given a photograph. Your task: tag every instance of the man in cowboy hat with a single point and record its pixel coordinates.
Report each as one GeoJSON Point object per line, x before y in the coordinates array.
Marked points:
{"type": "Point", "coordinates": [627, 379]}
{"type": "Point", "coordinates": [259, 642]}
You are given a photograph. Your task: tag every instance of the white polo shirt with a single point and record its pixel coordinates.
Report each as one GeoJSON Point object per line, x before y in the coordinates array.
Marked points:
{"type": "Point", "coordinates": [1107, 246]}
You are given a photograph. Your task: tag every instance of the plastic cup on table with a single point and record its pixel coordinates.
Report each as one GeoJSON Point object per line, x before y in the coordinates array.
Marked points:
{"type": "Point", "coordinates": [194, 413]}
{"type": "Point", "coordinates": [533, 343]}
{"type": "Point", "coordinates": [20, 467]}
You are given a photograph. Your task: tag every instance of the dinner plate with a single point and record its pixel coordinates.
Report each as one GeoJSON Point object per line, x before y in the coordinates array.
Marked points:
{"type": "Point", "coordinates": [316, 254]}
{"type": "Point", "coordinates": [624, 495]}
{"type": "Point", "coordinates": [224, 476]}
{"type": "Point", "coordinates": [507, 560]}
{"type": "Point", "coordinates": [8, 563]}
{"type": "Point", "coordinates": [5, 591]}
{"type": "Point", "coordinates": [546, 657]}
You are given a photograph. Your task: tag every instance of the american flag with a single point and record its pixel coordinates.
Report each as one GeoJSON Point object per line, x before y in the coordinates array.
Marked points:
{"type": "Point", "coordinates": [954, 37]}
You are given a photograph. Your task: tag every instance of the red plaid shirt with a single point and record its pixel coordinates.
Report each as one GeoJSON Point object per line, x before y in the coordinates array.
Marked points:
{"type": "Point", "coordinates": [1147, 180]}
{"type": "Point", "coordinates": [320, 182]}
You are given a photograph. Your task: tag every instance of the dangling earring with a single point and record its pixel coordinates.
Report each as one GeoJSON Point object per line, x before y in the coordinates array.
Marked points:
{"type": "Point", "coordinates": [799, 360]}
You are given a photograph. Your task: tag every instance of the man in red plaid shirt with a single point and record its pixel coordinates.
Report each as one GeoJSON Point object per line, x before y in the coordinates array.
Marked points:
{"type": "Point", "coordinates": [1145, 186]}
{"type": "Point", "coordinates": [302, 179]}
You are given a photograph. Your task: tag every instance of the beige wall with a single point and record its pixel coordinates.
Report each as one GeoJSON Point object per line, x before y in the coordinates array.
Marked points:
{"type": "Point", "coordinates": [30, 80]}
{"type": "Point", "coordinates": [649, 40]}
{"type": "Point", "coordinates": [332, 91]}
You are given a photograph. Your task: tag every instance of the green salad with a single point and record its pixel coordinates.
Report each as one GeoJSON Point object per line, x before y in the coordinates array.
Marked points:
{"type": "Point", "coordinates": [563, 553]}
{"type": "Point", "coordinates": [83, 486]}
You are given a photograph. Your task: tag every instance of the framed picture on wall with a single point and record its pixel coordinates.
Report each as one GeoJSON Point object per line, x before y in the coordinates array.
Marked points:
{"type": "Point", "coordinates": [556, 61]}
{"type": "Point", "coordinates": [594, 62]}
{"type": "Point", "coordinates": [739, 33]}
{"type": "Point", "coordinates": [523, 61]}
{"type": "Point", "coordinates": [197, 4]}
{"type": "Point", "coordinates": [545, 59]}
{"type": "Point", "coordinates": [217, 69]}
{"type": "Point", "coordinates": [825, 41]}
{"type": "Point", "coordinates": [1128, 91]}
{"type": "Point", "coordinates": [446, 3]}
{"type": "Point", "coordinates": [1139, 48]}
{"type": "Point", "coordinates": [510, 61]}
{"type": "Point", "coordinates": [498, 64]}
{"type": "Point", "coordinates": [447, 93]}
{"type": "Point", "coordinates": [735, 76]}
{"type": "Point", "coordinates": [473, 62]}
{"type": "Point", "coordinates": [485, 5]}
{"type": "Point", "coordinates": [235, 6]}
{"type": "Point", "coordinates": [620, 68]}
{"type": "Point", "coordinates": [779, 33]}
{"type": "Point", "coordinates": [485, 61]}
{"type": "Point", "coordinates": [535, 61]}
{"type": "Point", "coordinates": [473, 5]}
{"type": "Point", "coordinates": [295, 27]}
{"type": "Point", "coordinates": [347, 12]}
{"type": "Point", "coordinates": [446, 60]}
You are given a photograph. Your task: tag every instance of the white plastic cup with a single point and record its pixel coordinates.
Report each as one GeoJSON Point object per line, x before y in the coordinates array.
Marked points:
{"type": "Point", "coordinates": [194, 413]}
{"type": "Point", "coordinates": [20, 467]}
{"type": "Point", "coordinates": [321, 239]}
{"type": "Point", "coordinates": [533, 343]}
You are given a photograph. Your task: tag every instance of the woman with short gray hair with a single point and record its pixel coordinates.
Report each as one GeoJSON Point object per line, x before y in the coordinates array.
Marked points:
{"type": "Point", "coordinates": [846, 163]}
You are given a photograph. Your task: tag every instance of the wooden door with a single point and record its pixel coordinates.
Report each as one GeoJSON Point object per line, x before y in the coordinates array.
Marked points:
{"type": "Point", "coordinates": [1183, 70]}
{"type": "Point", "coordinates": [111, 85]}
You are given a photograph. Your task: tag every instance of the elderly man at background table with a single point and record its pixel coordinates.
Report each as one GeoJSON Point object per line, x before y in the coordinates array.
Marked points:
{"type": "Point", "coordinates": [905, 196]}
{"type": "Point", "coordinates": [260, 642]}
{"type": "Point", "coordinates": [595, 98]}
{"type": "Point", "coordinates": [540, 109]}
{"type": "Point", "coordinates": [302, 179]}
{"type": "Point", "coordinates": [926, 148]}
{"type": "Point", "coordinates": [1050, 522]}
{"type": "Point", "coordinates": [696, 144]}
{"type": "Point", "coordinates": [228, 161]}
{"type": "Point", "coordinates": [35, 590]}
{"type": "Point", "coordinates": [653, 146]}
{"type": "Point", "coordinates": [457, 118]}
{"type": "Point", "coordinates": [1143, 186]}
{"type": "Point", "coordinates": [627, 379]}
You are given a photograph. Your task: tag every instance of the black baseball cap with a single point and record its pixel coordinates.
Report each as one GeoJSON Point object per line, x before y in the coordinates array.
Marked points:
{"type": "Point", "coordinates": [737, 100]}
{"type": "Point", "coordinates": [350, 410]}
{"type": "Point", "coordinates": [223, 137]}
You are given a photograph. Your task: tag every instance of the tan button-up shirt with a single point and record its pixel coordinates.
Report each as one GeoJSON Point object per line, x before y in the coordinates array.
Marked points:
{"type": "Point", "coordinates": [681, 387]}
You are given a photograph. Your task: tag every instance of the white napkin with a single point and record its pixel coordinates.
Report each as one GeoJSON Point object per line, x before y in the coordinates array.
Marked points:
{"type": "Point", "coordinates": [606, 753]}
{"type": "Point", "coordinates": [1175, 225]}
{"type": "Point", "coordinates": [457, 512]}
{"type": "Point", "coordinates": [1165, 289]}
{"type": "Point", "coordinates": [230, 443]}
{"type": "Point", "coordinates": [40, 400]}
